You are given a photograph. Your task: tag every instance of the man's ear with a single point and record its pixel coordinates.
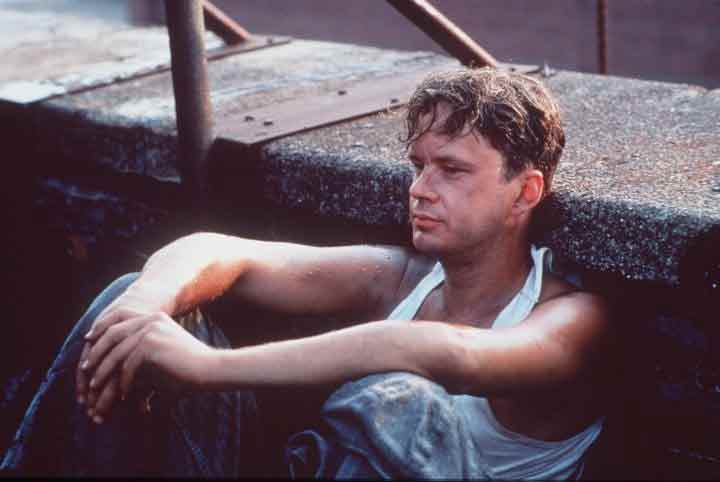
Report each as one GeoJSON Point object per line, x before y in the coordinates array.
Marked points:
{"type": "Point", "coordinates": [531, 191]}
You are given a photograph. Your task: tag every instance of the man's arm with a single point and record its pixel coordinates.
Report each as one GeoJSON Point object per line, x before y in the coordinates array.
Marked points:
{"type": "Point", "coordinates": [286, 277]}
{"type": "Point", "coordinates": [553, 348]}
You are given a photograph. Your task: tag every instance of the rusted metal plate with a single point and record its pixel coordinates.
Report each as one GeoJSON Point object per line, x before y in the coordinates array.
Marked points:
{"type": "Point", "coordinates": [345, 103]}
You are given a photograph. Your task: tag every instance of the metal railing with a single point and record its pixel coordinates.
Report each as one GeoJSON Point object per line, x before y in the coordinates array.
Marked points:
{"type": "Point", "coordinates": [186, 20]}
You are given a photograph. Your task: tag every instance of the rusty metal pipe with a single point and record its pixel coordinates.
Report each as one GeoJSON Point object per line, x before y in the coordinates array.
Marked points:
{"type": "Point", "coordinates": [443, 31]}
{"type": "Point", "coordinates": [602, 36]}
{"type": "Point", "coordinates": [193, 110]}
{"type": "Point", "coordinates": [223, 26]}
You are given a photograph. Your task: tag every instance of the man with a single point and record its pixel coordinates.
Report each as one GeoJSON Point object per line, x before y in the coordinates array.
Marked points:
{"type": "Point", "coordinates": [482, 363]}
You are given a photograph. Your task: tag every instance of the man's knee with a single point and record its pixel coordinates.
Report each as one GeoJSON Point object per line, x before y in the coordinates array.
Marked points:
{"type": "Point", "coordinates": [118, 286]}
{"type": "Point", "coordinates": [108, 295]}
{"type": "Point", "coordinates": [74, 340]}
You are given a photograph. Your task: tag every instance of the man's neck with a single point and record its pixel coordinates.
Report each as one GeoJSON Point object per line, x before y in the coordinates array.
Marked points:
{"type": "Point", "coordinates": [479, 284]}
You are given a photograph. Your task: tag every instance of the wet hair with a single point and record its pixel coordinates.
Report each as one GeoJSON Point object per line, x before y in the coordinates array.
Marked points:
{"type": "Point", "coordinates": [514, 112]}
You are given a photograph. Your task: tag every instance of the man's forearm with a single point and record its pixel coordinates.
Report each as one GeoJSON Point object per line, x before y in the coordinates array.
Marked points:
{"type": "Point", "coordinates": [192, 270]}
{"type": "Point", "coordinates": [424, 348]}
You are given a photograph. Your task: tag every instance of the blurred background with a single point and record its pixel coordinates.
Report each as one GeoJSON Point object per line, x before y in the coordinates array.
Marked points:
{"type": "Point", "coordinates": [670, 40]}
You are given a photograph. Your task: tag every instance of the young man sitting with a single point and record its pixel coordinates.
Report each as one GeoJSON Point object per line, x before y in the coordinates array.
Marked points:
{"type": "Point", "coordinates": [481, 364]}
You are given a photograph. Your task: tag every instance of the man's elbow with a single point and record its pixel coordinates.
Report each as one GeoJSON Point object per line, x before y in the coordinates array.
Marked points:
{"type": "Point", "coordinates": [455, 363]}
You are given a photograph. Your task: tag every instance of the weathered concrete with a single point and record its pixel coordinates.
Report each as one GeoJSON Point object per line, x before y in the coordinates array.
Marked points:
{"type": "Point", "coordinates": [52, 55]}
{"type": "Point", "coordinates": [146, 107]}
{"type": "Point", "coordinates": [634, 195]}
{"type": "Point", "coordinates": [641, 167]}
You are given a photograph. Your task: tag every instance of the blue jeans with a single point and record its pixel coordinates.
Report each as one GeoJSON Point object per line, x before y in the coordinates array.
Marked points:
{"type": "Point", "coordinates": [206, 434]}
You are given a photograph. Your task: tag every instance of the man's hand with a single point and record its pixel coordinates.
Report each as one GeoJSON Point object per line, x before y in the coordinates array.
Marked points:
{"type": "Point", "coordinates": [174, 357]}
{"type": "Point", "coordinates": [139, 298]}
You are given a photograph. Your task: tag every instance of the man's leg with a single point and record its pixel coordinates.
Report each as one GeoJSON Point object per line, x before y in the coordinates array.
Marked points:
{"type": "Point", "coordinates": [386, 426]}
{"type": "Point", "coordinates": [206, 434]}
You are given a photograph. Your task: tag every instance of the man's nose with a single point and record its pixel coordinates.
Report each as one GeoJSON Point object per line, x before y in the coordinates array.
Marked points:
{"type": "Point", "coordinates": [422, 186]}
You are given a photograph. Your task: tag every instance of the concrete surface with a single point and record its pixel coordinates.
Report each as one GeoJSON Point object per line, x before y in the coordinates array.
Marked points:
{"type": "Point", "coordinates": [640, 166]}
{"type": "Point", "coordinates": [43, 50]}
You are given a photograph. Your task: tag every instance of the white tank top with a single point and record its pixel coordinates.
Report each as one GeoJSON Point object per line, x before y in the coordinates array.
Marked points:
{"type": "Point", "coordinates": [505, 454]}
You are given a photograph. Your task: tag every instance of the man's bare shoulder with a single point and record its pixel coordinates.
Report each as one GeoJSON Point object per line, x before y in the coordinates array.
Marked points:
{"type": "Point", "coordinates": [557, 289]}
{"type": "Point", "coordinates": [582, 316]}
{"type": "Point", "coordinates": [395, 272]}
{"type": "Point", "coordinates": [555, 286]}
{"type": "Point", "coordinates": [418, 265]}
{"type": "Point", "coordinates": [559, 293]}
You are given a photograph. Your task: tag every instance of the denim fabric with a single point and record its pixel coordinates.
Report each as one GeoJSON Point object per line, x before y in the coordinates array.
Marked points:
{"type": "Point", "coordinates": [204, 434]}
{"type": "Point", "coordinates": [319, 453]}
{"type": "Point", "coordinates": [388, 425]}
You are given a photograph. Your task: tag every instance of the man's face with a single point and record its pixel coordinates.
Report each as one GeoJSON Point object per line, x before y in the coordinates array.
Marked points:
{"type": "Point", "coordinates": [459, 198]}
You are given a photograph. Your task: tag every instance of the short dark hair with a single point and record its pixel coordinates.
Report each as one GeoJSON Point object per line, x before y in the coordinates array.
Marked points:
{"type": "Point", "coordinates": [514, 112]}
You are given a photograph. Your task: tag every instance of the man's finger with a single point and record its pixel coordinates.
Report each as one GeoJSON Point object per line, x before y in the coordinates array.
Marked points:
{"type": "Point", "coordinates": [81, 379]}
{"type": "Point", "coordinates": [105, 321]}
{"type": "Point", "coordinates": [91, 399]}
{"type": "Point", "coordinates": [107, 398]}
{"type": "Point", "coordinates": [112, 336]}
{"type": "Point", "coordinates": [130, 367]}
{"type": "Point", "coordinates": [114, 359]}
{"type": "Point", "coordinates": [101, 323]}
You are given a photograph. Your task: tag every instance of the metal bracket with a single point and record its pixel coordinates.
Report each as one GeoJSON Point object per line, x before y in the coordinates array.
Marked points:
{"type": "Point", "coordinates": [344, 103]}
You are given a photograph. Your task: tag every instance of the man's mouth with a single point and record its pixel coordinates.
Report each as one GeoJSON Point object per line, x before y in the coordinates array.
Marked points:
{"type": "Point", "coordinates": [421, 220]}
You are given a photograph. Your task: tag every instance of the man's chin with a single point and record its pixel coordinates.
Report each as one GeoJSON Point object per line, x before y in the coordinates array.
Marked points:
{"type": "Point", "coordinates": [427, 244]}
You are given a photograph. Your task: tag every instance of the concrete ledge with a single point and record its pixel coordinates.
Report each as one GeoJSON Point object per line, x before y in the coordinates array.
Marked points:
{"type": "Point", "coordinates": [633, 197]}
{"type": "Point", "coordinates": [638, 184]}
